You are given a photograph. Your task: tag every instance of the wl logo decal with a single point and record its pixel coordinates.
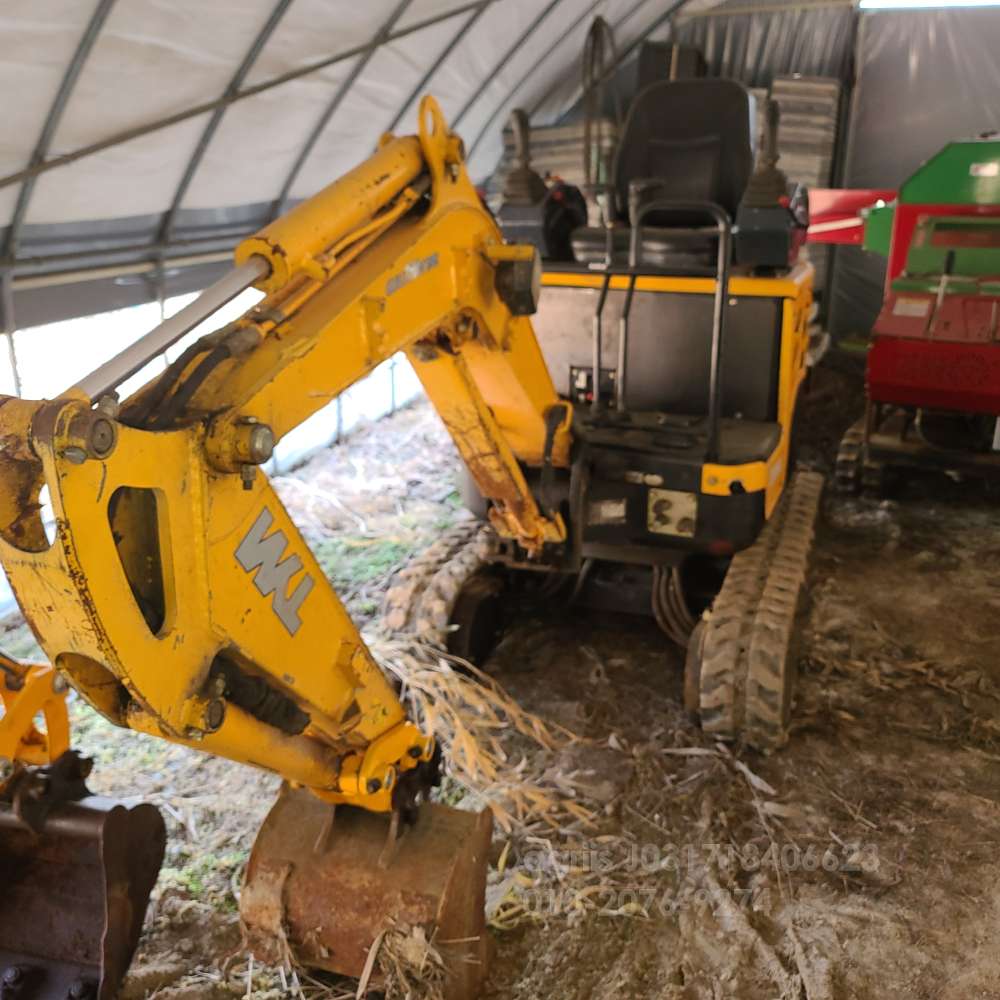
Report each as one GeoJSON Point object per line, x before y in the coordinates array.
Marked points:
{"type": "Point", "coordinates": [274, 574]}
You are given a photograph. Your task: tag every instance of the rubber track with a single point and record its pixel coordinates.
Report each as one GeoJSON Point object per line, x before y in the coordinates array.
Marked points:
{"type": "Point", "coordinates": [873, 479]}
{"type": "Point", "coordinates": [771, 659]}
{"type": "Point", "coordinates": [423, 593]}
{"type": "Point", "coordinates": [727, 634]}
{"type": "Point", "coordinates": [744, 665]}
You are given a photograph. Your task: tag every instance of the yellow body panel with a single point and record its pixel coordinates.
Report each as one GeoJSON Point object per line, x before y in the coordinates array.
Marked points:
{"type": "Point", "coordinates": [795, 290]}
{"type": "Point", "coordinates": [772, 475]}
{"type": "Point", "coordinates": [786, 286]}
{"type": "Point", "coordinates": [717, 480]}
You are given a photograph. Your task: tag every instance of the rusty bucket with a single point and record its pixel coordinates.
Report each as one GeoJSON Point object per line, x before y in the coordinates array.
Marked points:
{"type": "Point", "coordinates": [73, 894]}
{"type": "Point", "coordinates": [76, 871]}
{"type": "Point", "coordinates": [321, 887]}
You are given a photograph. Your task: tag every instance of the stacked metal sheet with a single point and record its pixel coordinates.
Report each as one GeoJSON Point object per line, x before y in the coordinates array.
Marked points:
{"type": "Point", "coordinates": [810, 110]}
{"type": "Point", "coordinates": [759, 97]}
{"type": "Point", "coordinates": [810, 106]}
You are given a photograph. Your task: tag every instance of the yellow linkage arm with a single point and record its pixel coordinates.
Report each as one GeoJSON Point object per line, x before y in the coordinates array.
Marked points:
{"type": "Point", "coordinates": [177, 595]}
{"type": "Point", "coordinates": [26, 691]}
{"type": "Point", "coordinates": [426, 285]}
{"type": "Point", "coordinates": [182, 605]}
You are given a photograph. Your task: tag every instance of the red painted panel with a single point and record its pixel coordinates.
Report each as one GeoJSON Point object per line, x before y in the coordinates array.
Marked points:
{"type": "Point", "coordinates": [936, 375]}
{"type": "Point", "coordinates": [904, 314]}
{"type": "Point", "coordinates": [835, 213]}
{"type": "Point", "coordinates": [961, 319]}
{"type": "Point", "coordinates": [967, 319]}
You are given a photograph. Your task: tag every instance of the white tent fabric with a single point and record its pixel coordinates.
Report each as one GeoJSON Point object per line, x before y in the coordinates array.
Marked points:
{"type": "Point", "coordinates": [143, 138]}
{"type": "Point", "coordinates": [157, 58]}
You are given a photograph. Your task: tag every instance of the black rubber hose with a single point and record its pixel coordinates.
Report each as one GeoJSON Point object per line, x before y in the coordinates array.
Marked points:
{"type": "Point", "coordinates": [138, 415]}
{"type": "Point", "coordinates": [175, 405]}
{"type": "Point", "coordinates": [682, 613]}
{"type": "Point", "coordinates": [663, 610]}
{"type": "Point", "coordinates": [581, 579]}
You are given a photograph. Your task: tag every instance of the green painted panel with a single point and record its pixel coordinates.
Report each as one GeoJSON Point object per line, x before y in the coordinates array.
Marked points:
{"type": "Point", "coordinates": [963, 173]}
{"type": "Point", "coordinates": [878, 229]}
{"type": "Point", "coordinates": [933, 283]}
{"type": "Point", "coordinates": [975, 244]}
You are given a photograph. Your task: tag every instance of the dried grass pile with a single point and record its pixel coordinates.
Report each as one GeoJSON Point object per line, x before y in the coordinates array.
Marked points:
{"type": "Point", "coordinates": [503, 756]}
{"type": "Point", "coordinates": [493, 749]}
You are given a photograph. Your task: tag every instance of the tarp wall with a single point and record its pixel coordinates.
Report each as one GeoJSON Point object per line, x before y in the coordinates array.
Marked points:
{"type": "Point", "coordinates": [307, 86]}
{"type": "Point", "coordinates": [754, 47]}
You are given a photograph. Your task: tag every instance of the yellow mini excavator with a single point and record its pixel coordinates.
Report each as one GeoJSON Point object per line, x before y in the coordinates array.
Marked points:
{"type": "Point", "coordinates": [676, 335]}
{"type": "Point", "coordinates": [175, 595]}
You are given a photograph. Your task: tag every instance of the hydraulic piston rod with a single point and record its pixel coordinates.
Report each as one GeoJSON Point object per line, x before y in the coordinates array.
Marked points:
{"type": "Point", "coordinates": [112, 373]}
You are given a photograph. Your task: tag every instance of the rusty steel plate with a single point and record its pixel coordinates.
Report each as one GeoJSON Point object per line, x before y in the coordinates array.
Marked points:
{"type": "Point", "coordinates": [320, 892]}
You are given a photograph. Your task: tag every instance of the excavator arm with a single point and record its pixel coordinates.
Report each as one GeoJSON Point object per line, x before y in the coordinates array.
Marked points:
{"type": "Point", "coordinates": [175, 593]}
{"type": "Point", "coordinates": [177, 596]}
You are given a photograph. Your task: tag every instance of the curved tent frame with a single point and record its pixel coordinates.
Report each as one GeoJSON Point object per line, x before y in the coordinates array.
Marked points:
{"type": "Point", "coordinates": [165, 253]}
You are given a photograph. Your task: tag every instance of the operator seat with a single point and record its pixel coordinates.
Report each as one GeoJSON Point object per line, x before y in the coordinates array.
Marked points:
{"type": "Point", "coordinates": [683, 140]}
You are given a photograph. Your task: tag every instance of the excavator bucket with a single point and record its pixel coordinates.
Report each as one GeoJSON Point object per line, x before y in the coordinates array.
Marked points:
{"type": "Point", "coordinates": [322, 887]}
{"type": "Point", "coordinates": [75, 877]}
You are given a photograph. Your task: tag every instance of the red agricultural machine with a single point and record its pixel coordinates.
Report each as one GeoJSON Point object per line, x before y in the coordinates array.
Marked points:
{"type": "Point", "coordinates": [933, 369]}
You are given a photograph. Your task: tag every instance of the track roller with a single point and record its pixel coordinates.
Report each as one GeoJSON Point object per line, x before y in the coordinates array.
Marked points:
{"type": "Point", "coordinates": [847, 472]}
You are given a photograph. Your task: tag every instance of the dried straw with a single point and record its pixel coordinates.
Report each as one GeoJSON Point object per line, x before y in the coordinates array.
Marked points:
{"type": "Point", "coordinates": [410, 965]}
{"type": "Point", "coordinates": [473, 717]}
{"type": "Point", "coordinates": [477, 724]}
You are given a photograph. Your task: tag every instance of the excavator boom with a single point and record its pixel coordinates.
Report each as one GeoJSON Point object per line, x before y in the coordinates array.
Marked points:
{"type": "Point", "coordinates": [177, 596]}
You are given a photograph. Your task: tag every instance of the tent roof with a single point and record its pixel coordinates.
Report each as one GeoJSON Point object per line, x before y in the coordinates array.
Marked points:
{"type": "Point", "coordinates": [148, 130]}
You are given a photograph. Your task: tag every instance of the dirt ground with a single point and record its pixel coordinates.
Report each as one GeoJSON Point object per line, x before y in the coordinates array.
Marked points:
{"type": "Point", "coordinates": [859, 862]}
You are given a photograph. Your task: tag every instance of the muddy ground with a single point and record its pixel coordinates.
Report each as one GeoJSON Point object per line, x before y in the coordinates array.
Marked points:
{"type": "Point", "coordinates": [859, 862]}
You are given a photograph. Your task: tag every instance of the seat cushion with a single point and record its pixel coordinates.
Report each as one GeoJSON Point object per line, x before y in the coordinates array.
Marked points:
{"type": "Point", "coordinates": [660, 249]}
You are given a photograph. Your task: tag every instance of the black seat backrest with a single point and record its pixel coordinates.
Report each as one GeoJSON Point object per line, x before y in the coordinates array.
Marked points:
{"type": "Point", "coordinates": [693, 136]}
